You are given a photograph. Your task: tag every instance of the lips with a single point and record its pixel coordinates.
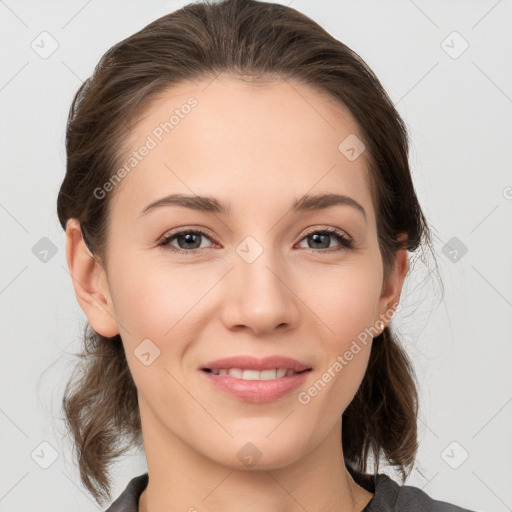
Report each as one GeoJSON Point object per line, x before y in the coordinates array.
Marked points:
{"type": "Point", "coordinates": [246, 362]}
{"type": "Point", "coordinates": [253, 386]}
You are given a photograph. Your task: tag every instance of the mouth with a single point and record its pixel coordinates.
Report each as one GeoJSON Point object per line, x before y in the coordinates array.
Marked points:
{"type": "Point", "coordinates": [256, 386]}
{"type": "Point", "coordinates": [238, 365]}
{"type": "Point", "coordinates": [250, 374]}
{"type": "Point", "coordinates": [256, 380]}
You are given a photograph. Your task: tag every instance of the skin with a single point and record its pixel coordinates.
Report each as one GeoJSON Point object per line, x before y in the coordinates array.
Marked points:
{"type": "Point", "coordinates": [258, 147]}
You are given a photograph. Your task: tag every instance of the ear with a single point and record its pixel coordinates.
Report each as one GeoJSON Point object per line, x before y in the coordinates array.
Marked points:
{"type": "Point", "coordinates": [392, 289]}
{"type": "Point", "coordinates": [90, 282]}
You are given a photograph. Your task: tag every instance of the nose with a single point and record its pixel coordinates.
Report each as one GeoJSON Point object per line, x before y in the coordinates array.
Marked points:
{"type": "Point", "coordinates": [259, 296]}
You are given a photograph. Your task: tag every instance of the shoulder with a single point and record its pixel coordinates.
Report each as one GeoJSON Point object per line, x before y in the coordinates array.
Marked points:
{"type": "Point", "coordinates": [128, 500]}
{"type": "Point", "coordinates": [389, 496]}
{"type": "Point", "coordinates": [413, 499]}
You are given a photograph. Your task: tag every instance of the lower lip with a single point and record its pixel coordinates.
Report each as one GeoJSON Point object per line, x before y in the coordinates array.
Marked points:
{"type": "Point", "coordinates": [256, 391]}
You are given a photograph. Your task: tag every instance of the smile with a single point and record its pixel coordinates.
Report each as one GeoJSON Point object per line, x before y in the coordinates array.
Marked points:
{"type": "Point", "coordinates": [255, 386]}
{"type": "Point", "coordinates": [271, 374]}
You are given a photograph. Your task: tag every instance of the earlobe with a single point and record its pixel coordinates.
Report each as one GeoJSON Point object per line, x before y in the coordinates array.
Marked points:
{"type": "Point", "coordinates": [89, 282]}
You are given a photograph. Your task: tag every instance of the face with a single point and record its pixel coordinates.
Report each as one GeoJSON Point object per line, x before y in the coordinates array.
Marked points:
{"type": "Point", "coordinates": [261, 279]}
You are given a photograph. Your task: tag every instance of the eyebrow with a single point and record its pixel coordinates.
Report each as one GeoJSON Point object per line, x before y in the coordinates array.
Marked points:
{"type": "Point", "coordinates": [210, 204]}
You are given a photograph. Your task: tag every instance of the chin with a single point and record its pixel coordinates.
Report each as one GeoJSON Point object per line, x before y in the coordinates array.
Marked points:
{"type": "Point", "coordinates": [257, 454]}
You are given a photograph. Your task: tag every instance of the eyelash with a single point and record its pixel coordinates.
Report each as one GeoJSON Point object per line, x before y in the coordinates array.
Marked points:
{"type": "Point", "coordinates": [345, 242]}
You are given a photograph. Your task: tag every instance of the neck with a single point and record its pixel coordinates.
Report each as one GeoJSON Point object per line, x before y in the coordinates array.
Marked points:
{"type": "Point", "coordinates": [359, 499]}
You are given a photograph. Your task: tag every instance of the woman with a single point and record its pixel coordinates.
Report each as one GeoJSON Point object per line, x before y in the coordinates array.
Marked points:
{"type": "Point", "coordinates": [239, 208]}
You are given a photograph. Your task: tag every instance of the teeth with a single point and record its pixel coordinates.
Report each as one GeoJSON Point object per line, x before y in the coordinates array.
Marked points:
{"type": "Point", "coordinates": [254, 374]}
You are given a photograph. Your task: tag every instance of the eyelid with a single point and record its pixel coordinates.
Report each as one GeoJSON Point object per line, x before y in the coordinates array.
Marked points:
{"type": "Point", "coordinates": [186, 229]}
{"type": "Point", "coordinates": [328, 229]}
{"type": "Point", "coordinates": [209, 234]}
{"type": "Point", "coordinates": [345, 240]}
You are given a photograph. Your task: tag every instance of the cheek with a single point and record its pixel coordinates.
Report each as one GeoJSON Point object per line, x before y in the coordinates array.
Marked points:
{"type": "Point", "coordinates": [151, 297]}
{"type": "Point", "coordinates": [163, 304]}
{"type": "Point", "coordinates": [155, 305]}
{"type": "Point", "coordinates": [345, 300]}
{"type": "Point", "coordinates": [347, 310]}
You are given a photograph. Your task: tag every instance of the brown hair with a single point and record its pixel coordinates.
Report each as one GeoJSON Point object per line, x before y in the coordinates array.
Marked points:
{"type": "Point", "coordinates": [255, 40]}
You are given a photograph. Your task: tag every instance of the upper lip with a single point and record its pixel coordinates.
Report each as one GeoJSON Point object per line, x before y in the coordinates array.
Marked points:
{"type": "Point", "coordinates": [246, 362]}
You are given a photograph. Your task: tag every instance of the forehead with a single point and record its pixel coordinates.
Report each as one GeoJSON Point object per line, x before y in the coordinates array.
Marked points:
{"type": "Point", "coordinates": [230, 137]}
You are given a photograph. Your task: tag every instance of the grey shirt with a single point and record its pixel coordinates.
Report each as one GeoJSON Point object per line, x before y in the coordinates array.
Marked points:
{"type": "Point", "coordinates": [388, 496]}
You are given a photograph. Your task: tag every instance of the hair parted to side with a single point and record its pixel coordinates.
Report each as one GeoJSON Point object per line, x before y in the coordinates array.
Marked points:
{"type": "Point", "coordinates": [250, 40]}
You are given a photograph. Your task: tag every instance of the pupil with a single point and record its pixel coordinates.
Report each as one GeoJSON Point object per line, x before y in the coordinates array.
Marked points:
{"type": "Point", "coordinates": [317, 239]}
{"type": "Point", "coordinates": [189, 239]}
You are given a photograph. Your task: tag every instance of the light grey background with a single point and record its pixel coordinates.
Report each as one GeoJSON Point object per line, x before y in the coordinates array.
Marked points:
{"type": "Point", "coordinates": [459, 112]}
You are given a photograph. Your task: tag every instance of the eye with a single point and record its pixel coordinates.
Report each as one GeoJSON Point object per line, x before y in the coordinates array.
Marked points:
{"type": "Point", "coordinates": [189, 240]}
{"type": "Point", "coordinates": [324, 236]}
